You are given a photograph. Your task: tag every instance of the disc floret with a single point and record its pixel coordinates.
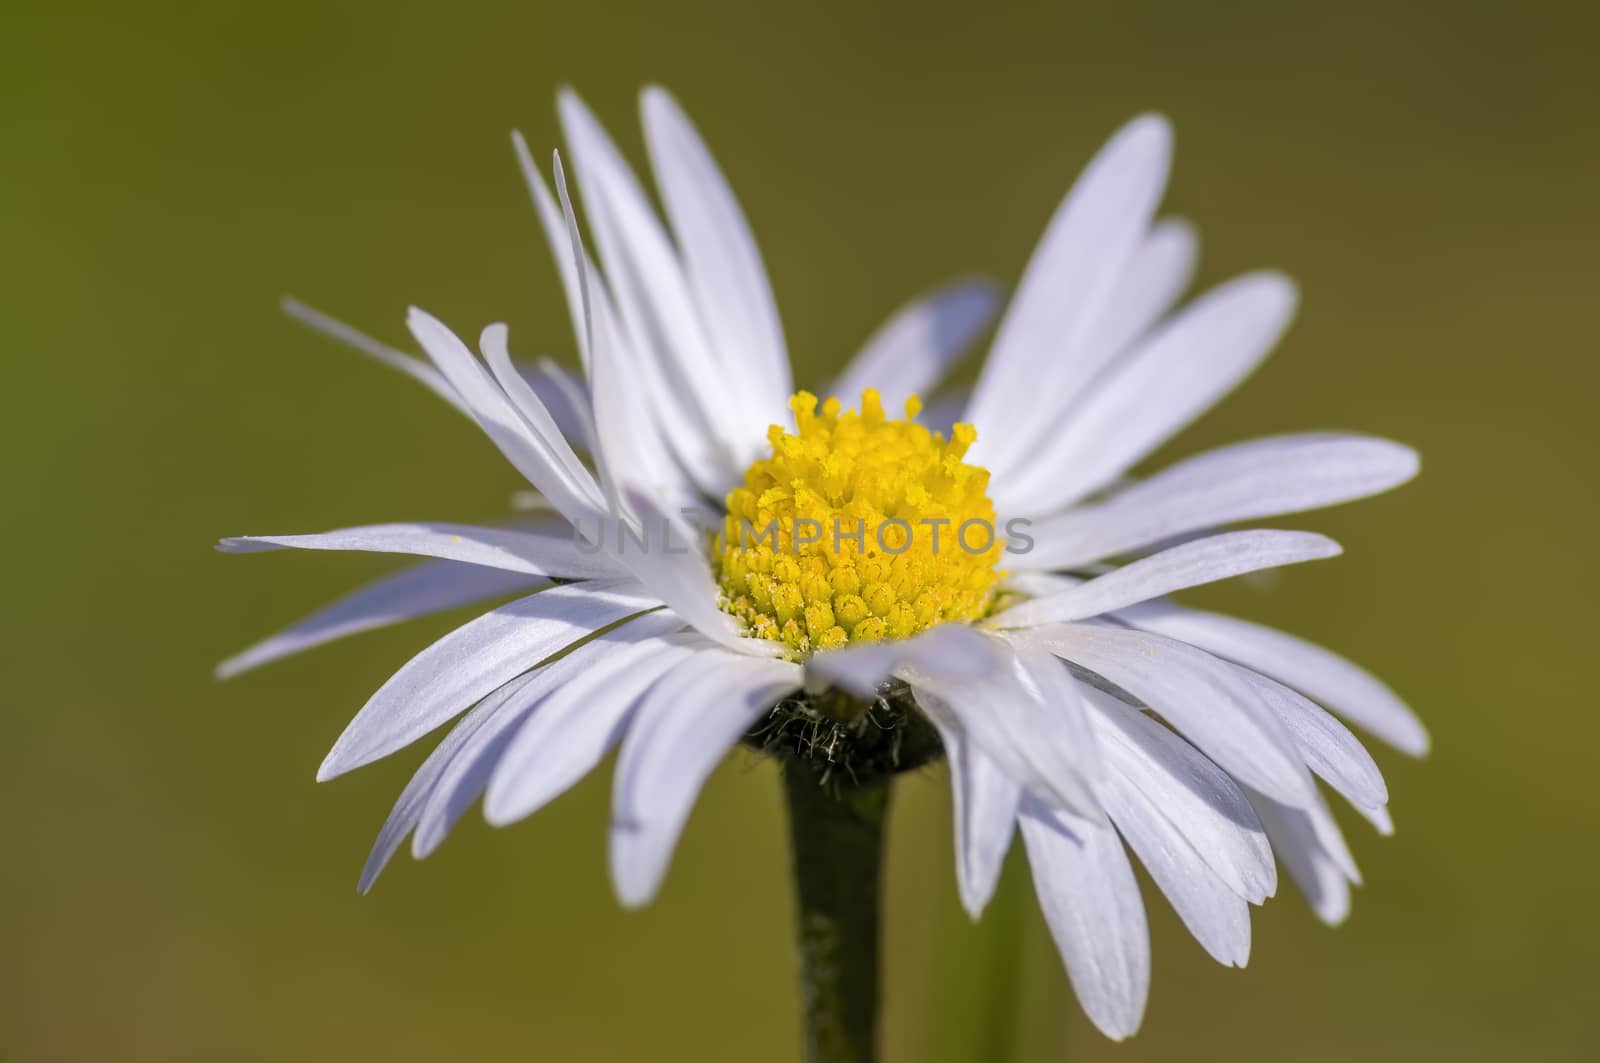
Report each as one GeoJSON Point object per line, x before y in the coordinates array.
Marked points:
{"type": "Point", "coordinates": [857, 528]}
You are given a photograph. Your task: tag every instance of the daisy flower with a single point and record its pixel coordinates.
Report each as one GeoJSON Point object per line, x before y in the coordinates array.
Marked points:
{"type": "Point", "coordinates": [718, 559]}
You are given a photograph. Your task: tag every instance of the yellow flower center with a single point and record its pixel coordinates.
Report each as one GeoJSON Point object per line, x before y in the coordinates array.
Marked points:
{"type": "Point", "coordinates": [858, 528]}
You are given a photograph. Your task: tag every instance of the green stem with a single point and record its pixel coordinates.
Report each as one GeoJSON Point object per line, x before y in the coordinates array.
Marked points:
{"type": "Point", "coordinates": [837, 841]}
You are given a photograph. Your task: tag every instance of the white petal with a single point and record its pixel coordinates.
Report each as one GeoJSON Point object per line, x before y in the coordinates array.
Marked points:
{"type": "Point", "coordinates": [1190, 564]}
{"type": "Point", "coordinates": [682, 728]}
{"type": "Point", "coordinates": [1330, 750]}
{"type": "Point", "coordinates": [660, 431]}
{"type": "Point", "coordinates": [460, 780]}
{"type": "Point", "coordinates": [1063, 698]}
{"type": "Point", "coordinates": [1092, 905]}
{"type": "Point", "coordinates": [1202, 803]}
{"type": "Point", "coordinates": [652, 293]}
{"type": "Point", "coordinates": [719, 253]}
{"type": "Point", "coordinates": [551, 552]}
{"type": "Point", "coordinates": [676, 571]}
{"type": "Point", "coordinates": [557, 240]}
{"type": "Point", "coordinates": [913, 350]}
{"type": "Point", "coordinates": [674, 421]}
{"type": "Point", "coordinates": [619, 412]}
{"type": "Point", "coordinates": [1301, 839]}
{"type": "Point", "coordinates": [1245, 481]}
{"type": "Point", "coordinates": [409, 807]}
{"type": "Point", "coordinates": [1326, 830]}
{"type": "Point", "coordinates": [1343, 686]}
{"type": "Point", "coordinates": [475, 659]}
{"type": "Point", "coordinates": [1317, 824]}
{"type": "Point", "coordinates": [1378, 817]}
{"type": "Point", "coordinates": [545, 464]}
{"type": "Point", "coordinates": [949, 652]}
{"type": "Point", "coordinates": [493, 342]}
{"type": "Point", "coordinates": [573, 730]}
{"type": "Point", "coordinates": [1203, 698]}
{"type": "Point", "coordinates": [565, 397]}
{"type": "Point", "coordinates": [414, 368]}
{"type": "Point", "coordinates": [1095, 231]}
{"type": "Point", "coordinates": [1150, 284]}
{"type": "Point", "coordinates": [629, 447]}
{"type": "Point", "coordinates": [985, 816]}
{"type": "Point", "coordinates": [1039, 584]}
{"type": "Point", "coordinates": [1172, 378]}
{"type": "Point", "coordinates": [479, 760]}
{"type": "Point", "coordinates": [1217, 916]}
{"type": "Point", "coordinates": [1033, 728]}
{"type": "Point", "coordinates": [430, 587]}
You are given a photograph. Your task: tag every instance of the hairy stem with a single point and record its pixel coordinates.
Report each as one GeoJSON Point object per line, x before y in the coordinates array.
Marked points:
{"type": "Point", "coordinates": [837, 841]}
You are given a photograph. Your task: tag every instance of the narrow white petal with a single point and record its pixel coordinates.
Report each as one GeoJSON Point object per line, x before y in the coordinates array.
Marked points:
{"type": "Point", "coordinates": [622, 440]}
{"type": "Point", "coordinates": [1093, 234]}
{"type": "Point", "coordinates": [986, 802]}
{"type": "Point", "coordinates": [681, 729]}
{"type": "Point", "coordinates": [1379, 817]}
{"type": "Point", "coordinates": [633, 456]}
{"type": "Point", "coordinates": [949, 652]}
{"type": "Point", "coordinates": [475, 659]}
{"type": "Point", "coordinates": [1326, 830]}
{"type": "Point", "coordinates": [1149, 284]}
{"type": "Point", "coordinates": [1246, 481]}
{"type": "Point", "coordinates": [1216, 915]}
{"type": "Point", "coordinates": [1317, 823]}
{"type": "Point", "coordinates": [430, 587]}
{"type": "Point", "coordinates": [1329, 749]}
{"type": "Point", "coordinates": [719, 253]}
{"type": "Point", "coordinates": [1091, 902]}
{"type": "Point", "coordinates": [1063, 698]}
{"type": "Point", "coordinates": [1301, 839]}
{"type": "Point", "coordinates": [461, 779]}
{"type": "Point", "coordinates": [575, 496]}
{"type": "Point", "coordinates": [469, 773]}
{"type": "Point", "coordinates": [573, 730]}
{"type": "Point", "coordinates": [556, 239]}
{"type": "Point", "coordinates": [675, 569]}
{"type": "Point", "coordinates": [669, 454]}
{"type": "Point", "coordinates": [913, 350]}
{"type": "Point", "coordinates": [549, 552]}
{"type": "Point", "coordinates": [652, 292]}
{"type": "Point", "coordinates": [1034, 728]}
{"type": "Point", "coordinates": [1203, 698]}
{"type": "Point", "coordinates": [1190, 564]}
{"type": "Point", "coordinates": [1173, 377]}
{"type": "Point", "coordinates": [565, 397]}
{"type": "Point", "coordinates": [396, 359]}
{"type": "Point", "coordinates": [408, 808]}
{"type": "Point", "coordinates": [674, 421]}
{"type": "Point", "coordinates": [494, 343]}
{"type": "Point", "coordinates": [1199, 799]}
{"type": "Point", "coordinates": [1343, 686]}
{"type": "Point", "coordinates": [1037, 584]}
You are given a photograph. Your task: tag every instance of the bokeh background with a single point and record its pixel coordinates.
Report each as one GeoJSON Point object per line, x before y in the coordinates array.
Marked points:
{"type": "Point", "coordinates": [174, 886]}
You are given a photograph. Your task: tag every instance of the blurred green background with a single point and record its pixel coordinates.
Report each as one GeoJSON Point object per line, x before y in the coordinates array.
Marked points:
{"type": "Point", "coordinates": [176, 887]}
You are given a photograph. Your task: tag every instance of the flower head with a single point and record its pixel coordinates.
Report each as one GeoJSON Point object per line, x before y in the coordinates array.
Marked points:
{"type": "Point", "coordinates": [1076, 703]}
